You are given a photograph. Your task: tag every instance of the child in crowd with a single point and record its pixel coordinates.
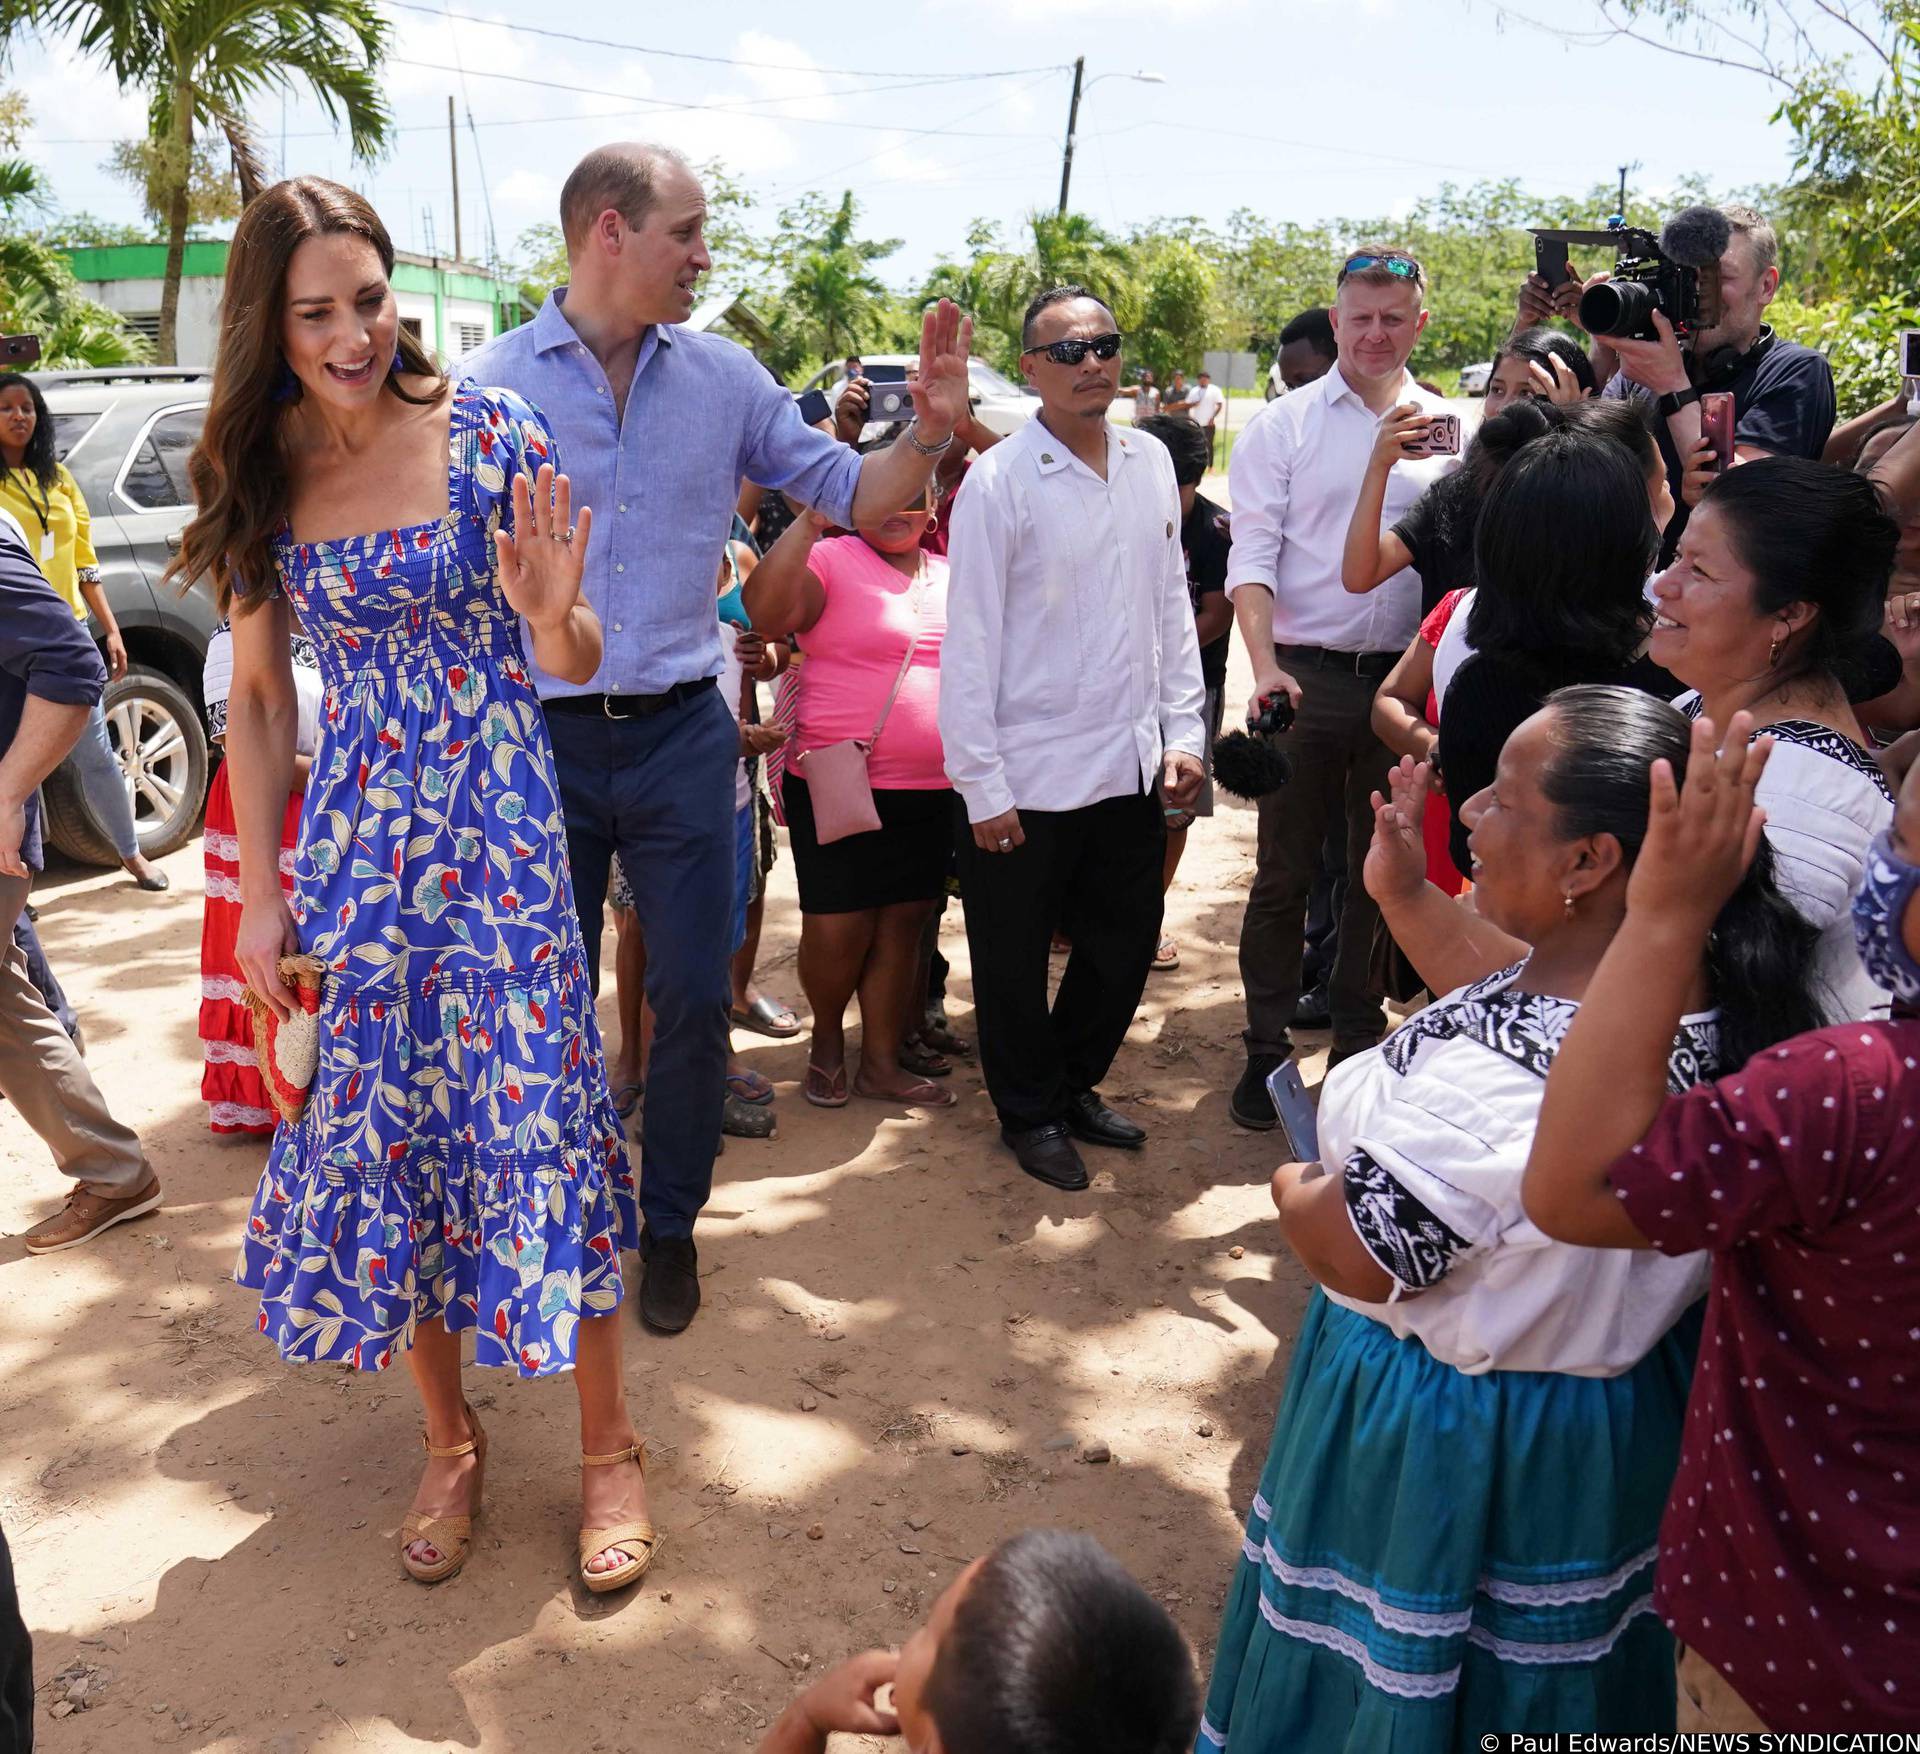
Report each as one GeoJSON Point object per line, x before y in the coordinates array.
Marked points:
{"type": "Point", "coordinates": [1045, 1646]}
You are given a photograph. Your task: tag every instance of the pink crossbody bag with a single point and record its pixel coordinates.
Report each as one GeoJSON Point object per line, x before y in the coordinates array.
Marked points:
{"type": "Point", "coordinates": [836, 773]}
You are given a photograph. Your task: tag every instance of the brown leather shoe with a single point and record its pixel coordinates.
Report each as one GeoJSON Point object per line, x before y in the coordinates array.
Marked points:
{"type": "Point", "coordinates": [86, 1214]}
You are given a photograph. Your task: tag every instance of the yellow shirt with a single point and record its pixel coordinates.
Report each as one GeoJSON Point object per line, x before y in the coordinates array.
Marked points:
{"type": "Point", "coordinates": [60, 513]}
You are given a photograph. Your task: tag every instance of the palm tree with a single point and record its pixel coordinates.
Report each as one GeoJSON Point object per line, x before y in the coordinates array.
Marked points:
{"type": "Point", "coordinates": [201, 61]}
{"type": "Point", "coordinates": [831, 286]}
{"type": "Point", "coordinates": [1065, 248]}
{"type": "Point", "coordinates": [38, 295]}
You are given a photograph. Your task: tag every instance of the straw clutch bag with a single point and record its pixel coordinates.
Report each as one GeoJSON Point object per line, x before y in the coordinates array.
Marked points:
{"type": "Point", "coordinates": [289, 1048]}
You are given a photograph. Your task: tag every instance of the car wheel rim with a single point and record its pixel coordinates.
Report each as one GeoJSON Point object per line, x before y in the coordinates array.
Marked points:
{"type": "Point", "coordinates": [154, 760]}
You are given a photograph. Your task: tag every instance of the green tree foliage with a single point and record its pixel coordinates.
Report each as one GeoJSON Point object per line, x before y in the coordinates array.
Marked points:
{"type": "Point", "coordinates": [199, 63]}
{"type": "Point", "coordinates": [152, 167]}
{"type": "Point", "coordinates": [38, 294]}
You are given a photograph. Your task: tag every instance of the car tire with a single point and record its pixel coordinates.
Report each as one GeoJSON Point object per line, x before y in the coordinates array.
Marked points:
{"type": "Point", "coordinates": [150, 706]}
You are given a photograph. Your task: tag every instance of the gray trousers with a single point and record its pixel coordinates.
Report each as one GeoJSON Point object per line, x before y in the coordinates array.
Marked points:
{"type": "Point", "coordinates": [44, 1077]}
{"type": "Point", "coordinates": [104, 785]}
{"type": "Point", "coordinates": [1338, 763]}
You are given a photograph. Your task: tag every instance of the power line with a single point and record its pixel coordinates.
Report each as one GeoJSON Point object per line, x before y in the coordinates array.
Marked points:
{"type": "Point", "coordinates": [711, 60]}
{"type": "Point", "coordinates": [664, 104]}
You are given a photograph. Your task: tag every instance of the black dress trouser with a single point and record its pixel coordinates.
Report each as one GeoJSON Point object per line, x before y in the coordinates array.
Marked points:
{"type": "Point", "coordinates": [16, 1665]}
{"type": "Point", "coordinates": [1094, 874]}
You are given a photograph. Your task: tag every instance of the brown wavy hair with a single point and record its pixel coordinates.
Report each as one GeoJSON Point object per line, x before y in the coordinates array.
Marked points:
{"type": "Point", "coordinates": [239, 468]}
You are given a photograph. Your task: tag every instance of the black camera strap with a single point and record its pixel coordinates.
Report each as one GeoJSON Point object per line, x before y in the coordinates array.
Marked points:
{"type": "Point", "coordinates": [1723, 364]}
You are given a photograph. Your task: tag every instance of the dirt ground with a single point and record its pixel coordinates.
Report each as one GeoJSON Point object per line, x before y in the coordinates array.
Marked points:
{"type": "Point", "coordinates": [906, 1345]}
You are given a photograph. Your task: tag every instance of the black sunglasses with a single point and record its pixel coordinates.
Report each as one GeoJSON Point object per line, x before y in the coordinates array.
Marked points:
{"type": "Point", "coordinates": [1072, 352]}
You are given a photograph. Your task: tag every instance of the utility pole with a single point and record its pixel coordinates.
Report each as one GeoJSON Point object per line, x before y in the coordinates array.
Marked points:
{"type": "Point", "coordinates": [453, 152]}
{"type": "Point", "coordinates": [1073, 121]}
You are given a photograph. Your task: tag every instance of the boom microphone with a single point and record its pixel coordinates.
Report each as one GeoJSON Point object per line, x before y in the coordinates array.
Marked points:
{"type": "Point", "coordinates": [1696, 237]}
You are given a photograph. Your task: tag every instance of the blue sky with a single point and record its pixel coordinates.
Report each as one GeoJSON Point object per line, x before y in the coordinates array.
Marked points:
{"type": "Point", "coordinates": [1302, 110]}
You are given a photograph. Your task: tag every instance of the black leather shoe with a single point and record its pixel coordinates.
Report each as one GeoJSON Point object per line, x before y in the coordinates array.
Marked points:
{"type": "Point", "coordinates": [669, 1282]}
{"type": "Point", "coordinates": [1090, 1120]}
{"type": "Point", "coordinates": [1047, 1154]}
{"type": "Point", "coordinates": [1315, 1008]}
{"type": "Point", "coordinates": [1250, 1105]}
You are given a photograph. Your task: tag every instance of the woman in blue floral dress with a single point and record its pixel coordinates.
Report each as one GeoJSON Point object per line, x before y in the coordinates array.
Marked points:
{"type": "Point", "coordinates": [459, 1164]}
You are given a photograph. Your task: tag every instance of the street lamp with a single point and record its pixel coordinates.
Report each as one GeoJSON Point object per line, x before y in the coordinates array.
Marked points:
{"type": "Point", "coordinates": [1073, 115]}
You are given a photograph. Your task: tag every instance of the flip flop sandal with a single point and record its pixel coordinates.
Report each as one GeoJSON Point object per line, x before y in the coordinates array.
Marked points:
{"type": "Point", "coordinates": [766, 1017]}
{"type": "Point", "coordinates": [924, 1094]}
{"type": "Point", "coordinates": [748, 1120]}
{"type": "Point", "coordinates": [1166, 956]}
{"type": "Point", "coordinates": [626, 1098]}
{"type": "Point", "coordinates": [825, 1089]}
{"type": "Point", "coordinates": [749, 1087]}
{"type": "Point", "coordinates": [916, 1057]}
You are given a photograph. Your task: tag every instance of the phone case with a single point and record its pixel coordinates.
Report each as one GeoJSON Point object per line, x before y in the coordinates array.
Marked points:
{"type": "Point", "coordinates": [1298, 1117]}
{"type": "Point", "coordinates": [1716, 425]}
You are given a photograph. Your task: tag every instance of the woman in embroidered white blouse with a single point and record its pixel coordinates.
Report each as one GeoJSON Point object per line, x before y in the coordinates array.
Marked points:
{"type": "Point", "coordinates": [1455, 1534]}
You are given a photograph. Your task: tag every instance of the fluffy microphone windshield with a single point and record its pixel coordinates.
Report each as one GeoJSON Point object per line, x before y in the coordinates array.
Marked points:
{"type": "Point", "coordinates": [1696, 237]}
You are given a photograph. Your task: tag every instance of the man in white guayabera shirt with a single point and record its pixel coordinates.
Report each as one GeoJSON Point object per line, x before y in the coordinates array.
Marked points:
{"type": "Point", "coordinates": [1071, 713]}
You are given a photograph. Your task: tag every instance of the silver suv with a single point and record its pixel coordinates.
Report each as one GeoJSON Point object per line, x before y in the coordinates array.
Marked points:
{"type": "Point", "coordinates": [126, 435]}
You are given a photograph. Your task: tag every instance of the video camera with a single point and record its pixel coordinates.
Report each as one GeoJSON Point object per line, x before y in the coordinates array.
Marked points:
{"type": "Point", "coordinates": [1676, 273]}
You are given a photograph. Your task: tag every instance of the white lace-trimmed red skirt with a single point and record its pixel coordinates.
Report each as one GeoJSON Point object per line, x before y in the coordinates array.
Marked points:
{"type": "Point", "coordinates": [230, 1079]}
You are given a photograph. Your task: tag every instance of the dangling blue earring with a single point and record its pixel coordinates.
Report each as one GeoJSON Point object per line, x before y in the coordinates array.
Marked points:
{"type": "Point", "coordinates": [286, 387]}
{"type": "Point", "coordinates": [399, 363]}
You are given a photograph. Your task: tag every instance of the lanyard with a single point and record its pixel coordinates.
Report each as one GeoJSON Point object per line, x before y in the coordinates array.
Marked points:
{"type": "Point", "coordinates": [43, 506]}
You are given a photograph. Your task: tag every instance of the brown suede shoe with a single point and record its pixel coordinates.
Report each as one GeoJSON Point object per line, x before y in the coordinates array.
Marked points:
{"type": "Point", "coordinates": [86, 1214]}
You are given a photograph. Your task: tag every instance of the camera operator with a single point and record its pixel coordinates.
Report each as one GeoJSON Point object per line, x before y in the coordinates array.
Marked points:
{"type": "Point", "coordinates": [1783, 400]}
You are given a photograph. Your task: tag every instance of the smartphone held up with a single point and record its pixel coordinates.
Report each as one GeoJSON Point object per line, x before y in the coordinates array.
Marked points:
{"type": "Point", "coordinates": [1442, 438]}
{"type": "Point", "coordinates": [1716, 427]}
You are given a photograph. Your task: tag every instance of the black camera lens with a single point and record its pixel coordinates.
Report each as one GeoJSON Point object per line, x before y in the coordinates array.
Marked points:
{"type": "Point", "coordinates": [1618, 307]}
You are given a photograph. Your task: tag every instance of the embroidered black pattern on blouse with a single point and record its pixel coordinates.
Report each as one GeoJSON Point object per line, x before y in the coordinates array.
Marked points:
{"type": "Point", "coordinates": [1407, 1240]}
{"type": "Point", "coordinates": [1822, 740]}
{"type": "Point", "coordinates": [1527, 1028]}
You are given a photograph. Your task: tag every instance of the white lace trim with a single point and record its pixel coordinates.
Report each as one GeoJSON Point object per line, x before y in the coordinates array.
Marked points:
{"type": "Point", "coordinates": [1562, 1595]}
{"type": "Point", "coordinates": [223, 986]}
{"type": "Point", "coordinates": [226, 848]}
{"type": "Point", "coordinates": [1398, 1682]}
{"type": "Point", "coordinates": [1322, 1577]}
{"type": "Point", "coordinates": [229, 1053]}
{"type": "Point", "coordinates": [1586, 1650]}
{"type": "Point", "coordinates": [1524, 1595]}
{"type": "Point", "coordinates": [237, 1114]}
{"type": "Point", "coordinates": [1208, 1733]}
{"type": "Point", "coordinates": [221, 887]}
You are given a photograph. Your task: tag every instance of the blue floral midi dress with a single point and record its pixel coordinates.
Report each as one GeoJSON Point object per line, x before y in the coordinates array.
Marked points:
{"type": "Point", "coordinates": [459, 1156]}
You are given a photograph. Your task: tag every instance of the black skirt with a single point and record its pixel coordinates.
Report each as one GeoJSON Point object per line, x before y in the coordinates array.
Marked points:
{"type": "Point", "coordinates": [905, 859]}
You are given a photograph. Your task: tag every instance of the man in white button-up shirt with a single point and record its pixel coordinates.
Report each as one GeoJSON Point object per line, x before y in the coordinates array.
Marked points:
{"type": "Point", "coordinates": [1069, 687]}
{"type": "Point", "coordinates": [1295, 477]}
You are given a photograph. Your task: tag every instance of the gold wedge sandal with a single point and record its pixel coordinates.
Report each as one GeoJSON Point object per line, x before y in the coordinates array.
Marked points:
{"type": "Point", "coordinates": [452, 1535]}
{"type": "Point", "coordinates": [632, 1535]}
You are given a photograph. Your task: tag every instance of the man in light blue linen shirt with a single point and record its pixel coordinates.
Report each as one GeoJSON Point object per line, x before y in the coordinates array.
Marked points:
{"type": "Point", "coordinates": [657, 427]}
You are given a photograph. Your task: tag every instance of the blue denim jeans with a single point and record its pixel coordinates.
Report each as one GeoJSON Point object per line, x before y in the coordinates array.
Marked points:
{"type": "Point", "coordinates": [104, 786]}
{"type": "Point", "coordinates": [659, 792]}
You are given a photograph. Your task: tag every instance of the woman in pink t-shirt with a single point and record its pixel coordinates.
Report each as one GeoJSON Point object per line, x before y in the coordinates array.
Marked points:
{"type": "Point", "coordinates": [858, 605]}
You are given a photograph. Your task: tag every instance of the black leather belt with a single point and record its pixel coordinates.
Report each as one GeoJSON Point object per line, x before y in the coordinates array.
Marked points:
{"type": "Point", "coordinates": [1349, 663]}
{"type": "Point", "coordinates": [628, 706]}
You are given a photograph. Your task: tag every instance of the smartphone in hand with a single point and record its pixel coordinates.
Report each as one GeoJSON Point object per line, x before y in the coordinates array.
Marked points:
{"type": "Point", "coordinates": [1294, 1106]}
{"type": "Point", "coordinates": [1910, 353]}
{"type": "Point", "coordinates": [16, 350]}
{"type": "Point", "coordinates": [1550, 262]}
{"type": "Point", "coordinates": [1442, 440]}
{"type": "Point", "coordinates": [1716, 426]}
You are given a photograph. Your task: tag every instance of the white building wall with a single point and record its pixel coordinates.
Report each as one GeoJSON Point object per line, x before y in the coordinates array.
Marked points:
{"type": "Point", "coordinates": [198, 328]}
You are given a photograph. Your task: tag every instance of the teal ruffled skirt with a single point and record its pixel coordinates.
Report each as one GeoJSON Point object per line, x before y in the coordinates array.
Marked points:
{"type": "Point", "coordinates": [1434, 1557]}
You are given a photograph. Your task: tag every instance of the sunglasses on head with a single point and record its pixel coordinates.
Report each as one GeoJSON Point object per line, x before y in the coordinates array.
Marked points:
{"type": "Point", "coordinates": [1072, 352]}
{"type": "Point", "coordinates": [1400, 267]}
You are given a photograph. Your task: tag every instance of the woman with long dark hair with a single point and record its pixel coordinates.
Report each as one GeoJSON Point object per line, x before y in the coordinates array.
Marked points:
{"type": "Point", "coordinates": [52, 512]}
{"type": "Point", "coordinates": [458, 1164]}
{"type": "Point", "coordinates": [1562, 550]}
{"type": "Point", "coordinates": [1775, 594]}
{"type": "Point", "coordinates": [1457, 1526]}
